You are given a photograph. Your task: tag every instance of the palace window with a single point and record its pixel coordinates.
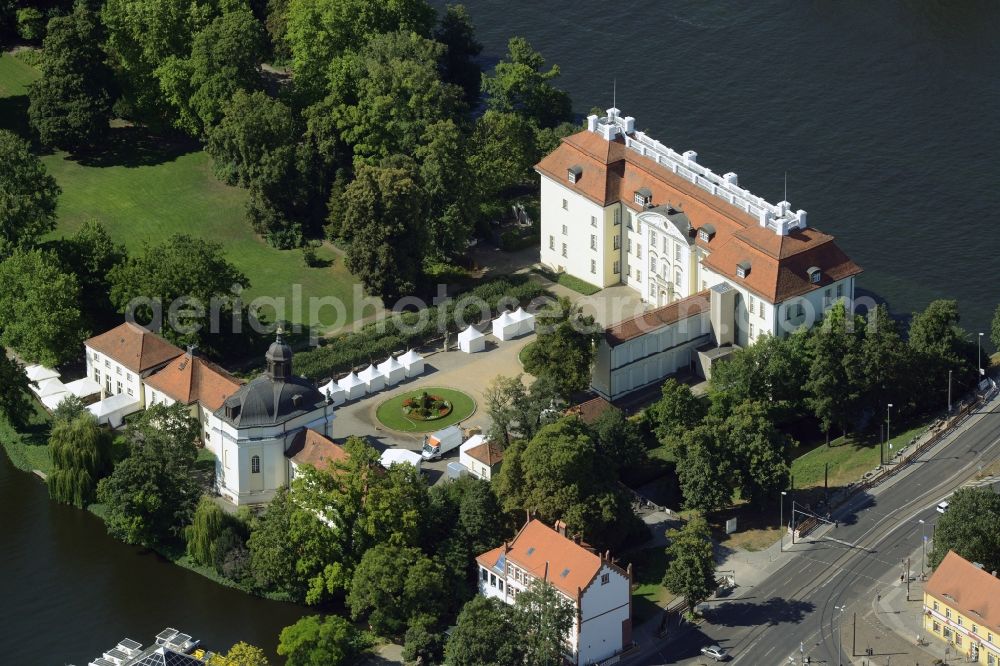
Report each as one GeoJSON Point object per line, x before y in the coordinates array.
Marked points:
{"type": "Point", "coordinates": [119, 387]}
{"type": "Point", "coordinates": [552, 242]}
{"type": "Point", "coordinates": [97, 375]}
{"type": "Point", "coordinates": [128, 376]}
{"type": "Point", "coordinates": [255, 464]}
{"type": "Point", "coordinates": [751, 330]}
{"type": "Point", "coordinates": [652, 265]}
{"type": "Point", "coordinates": [593, 242]}
{"type": "Point", "coordinates": [652, 289]}
{"type": "Point", "coordinates": [677, 278]}
{"type": "Point", "coordinates": [485, 575]}
{"type": "Point", "coordinates": [605, 579]}
{"type": "Point", "coordinates": [107, 363]}
{"type": "Point", "coordinates": [937, 627]}
{"type": "Point", "coordinates": [960, 620]}
{"type": "Point", "coordinates": [593, 220]}
{"type": "Point", "coordinates": [643, 196]}
{"type": "Point", "coordinates": [618, 215]}
{"type": "Point", "coordinates": [593, 267]}
{"type": "Point", "coordinates": [840, 290]}
{"type": "Point", "coordinates": [752, 302]}
{"type": "Point", "coordinates": [652, 238]}
{"type": "Point", "coordinates": [814, 274]}
{"type": "Point", "coordinates": [760, 310]}
{"type": "Point", "coordinates": [638, 275]}
{"type": "Point", "coordinates": [638, 250]}
{"type": "Point", "coordinates": [118, 370]}
{"type": "Point", "coordinates": [947, 613]}
{"type": "Point", "coordinates": [618, 242]}
{"type": "Point", "coordinates": [628, 246]}
{"type": "Point", "coordinates": [130, 391]}
{"type": "Point", "coordinates": [573, 173]}
{"type": "Point", "coordinates": [565, 230]}
{"type": "Point", "coordinates": [677, 252]}
{"type": "Point", "coordinates": [565, 205]}
{"type": "Point", "coordinates": [564, 249]}
{"type": "Point", "coordinates": [743, 269]}
{"type": "Point", "coordinates": [617, 267]}
{"type": "Point", "coordinates": [975, 629]}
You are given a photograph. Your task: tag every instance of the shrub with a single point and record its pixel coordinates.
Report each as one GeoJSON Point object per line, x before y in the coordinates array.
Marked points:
{"type": "Point", "coordinates": [31, 24]}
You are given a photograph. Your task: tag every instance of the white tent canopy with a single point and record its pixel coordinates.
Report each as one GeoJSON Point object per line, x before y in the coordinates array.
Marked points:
{"type": "Point", "coordinates": [354, 387]}
{"type": "Point", "coordinates": [37, 373]}
{"type": "Point", "coordinates": [48, 387]}
{"type": "Point", "coordinates": [83, 388]}
{"type": "Point", "coordinates": [505, 327]}
{"type": "Point", "coordinates": [373, 379]}
{"type": "Point", "coordinates": [333, 392]}
{"type": "Point", "coordinates": [525, 321]}
{"type": "Point", "coordinates": [393, 371]}
{"type": "Point", "coordinates": [52, 400]}
{"type": "Point", "coordinates": [113, 409]}
{"type": "Point", "coordinates": [413, 362]}
{"type": "Point", "coordinates": [401, 457]}
{"type": "Point", "coordinates": [471, 340]}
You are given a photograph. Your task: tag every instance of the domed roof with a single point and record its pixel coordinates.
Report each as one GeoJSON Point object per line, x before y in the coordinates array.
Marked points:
{"type": "Point", "coordinates": [266, 401]}
{"type": "Point", "coordinates": [279, 351]}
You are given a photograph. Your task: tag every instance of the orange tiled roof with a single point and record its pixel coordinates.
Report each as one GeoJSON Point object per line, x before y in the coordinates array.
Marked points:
{"type": "Point", "coordinates": [189, 379]}
{"type": "Point", "coordinates": [612, 173]}
{"type": "Point", "coordinates": [135, 347]}
{"type": "Point", "coordinates": [968, 589]}
{"type": "Point", "coordinates": [650, 321]}
{"type": "Point", "coordinates": [571, 567]}
{"type": "Point", "coordinates": [487, 453]}
{"type": "Point", "coordinates": [310, 447]}
{"type": "Point", "coordinates": [592, 409]}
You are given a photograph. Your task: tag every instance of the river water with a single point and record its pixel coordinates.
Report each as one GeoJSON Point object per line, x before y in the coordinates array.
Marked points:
{"type": "Point", "coordinates": [68, 591]}
{"type": "Point", "coordinates": [884, 115]}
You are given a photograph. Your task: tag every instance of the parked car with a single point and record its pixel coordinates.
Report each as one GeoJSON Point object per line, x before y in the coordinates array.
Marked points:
{"type": "Point", "coordinates": [942, 507]}
{"type": "Point", "coordinates": [715, 652]}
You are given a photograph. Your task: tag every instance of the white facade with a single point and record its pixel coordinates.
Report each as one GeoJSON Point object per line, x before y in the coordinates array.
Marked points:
{"type": "Point", "coordinates": [250, 461]}
{"type": "Point", "coordinates": [578, 235]}
{"type": "Point", "coordinates": [600, 614]}
{"type": "Point", "coordinates": [114, 377]}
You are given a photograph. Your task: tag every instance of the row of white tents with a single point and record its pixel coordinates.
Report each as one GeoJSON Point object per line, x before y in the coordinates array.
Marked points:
{"type": "Point", "coordinates": [47, 385]}
{"type": "Point", "coordinates": [507, 326]}
{"type": "Point", "coordinates": [374, 378]}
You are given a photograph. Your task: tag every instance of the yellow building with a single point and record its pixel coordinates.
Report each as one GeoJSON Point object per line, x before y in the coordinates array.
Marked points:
{"type": "Point", "coordinates": [962, 607]}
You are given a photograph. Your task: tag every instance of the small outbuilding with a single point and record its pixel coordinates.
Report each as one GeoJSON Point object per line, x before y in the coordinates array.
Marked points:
{"type": "Point", "coordinates": [525, 321]}
{"type": "Point", "coordinates": [471, 340]}
{"type": "Point", "coordinates": [393, 371]}
{"type": "Point", "coordinates": [354, 387]}
{"type": "Point", "coordinates": [373, 379]}
{"type": "Point", "coordinates": [505, 327]}
{"type": "Point", "coordinates": [413, 362]}
{"type": "Point", "coordinates": [333, 392]}
{"type": "Point", "coordinates": [392, 457]}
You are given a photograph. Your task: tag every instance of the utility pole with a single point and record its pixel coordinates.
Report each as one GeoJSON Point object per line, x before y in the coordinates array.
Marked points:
{"type": "Point", "coordinates": [979, 353]}
{"type": "Point", "coordinates": [923, 546]}
{"type": "Point", "coordinates": [888, 424]}
{"type": "Point", "coordinates": [793, 522]}
{"type": "Point", "coordinates": [781, 522]}
{"type": "Point", "coordinates": [949, 392]}
{"type": "Point", "coordinates": [826, 481]}
{"type": "Point", "coordinates": [854, 636]}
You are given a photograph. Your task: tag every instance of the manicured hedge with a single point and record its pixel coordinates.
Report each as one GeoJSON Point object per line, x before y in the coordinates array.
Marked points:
{"type": "Point", "coordinates": [410, 329]}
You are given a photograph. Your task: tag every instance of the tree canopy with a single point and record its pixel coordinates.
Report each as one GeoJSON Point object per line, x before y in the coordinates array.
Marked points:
{"type": "Point", "coordinates": [15, 401]}
{"type": "Point", "coordinates": [970, 527]}
{"type": "Point", "coordinates": [70, 105]}
{"type": "Point", "coordinates": [565, 347]}
{"type": "Point", "coordinates": [81, 456]}
{"type": "Point", "coordinates": [320, 641]}
{"type": "Point", "coordinates": [519, 85]}
{"type": "Point", "coordinates": [241, 654]}
{"type": "Point", "coordinates": [28, 195]}
{"type": "Point", "coordinates": [40, 315]}
{"type": "Point", "coordinates": [691, 568]}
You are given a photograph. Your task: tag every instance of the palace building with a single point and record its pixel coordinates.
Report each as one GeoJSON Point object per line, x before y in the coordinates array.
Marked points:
{"type": "Point", "coordinates": [619, 207]}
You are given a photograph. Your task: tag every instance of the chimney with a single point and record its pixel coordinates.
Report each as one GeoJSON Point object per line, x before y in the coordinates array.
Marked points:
{"type": "Point", "coordinates": [629, 124]}
{"type": "Point", "coordinates": [691, 156]}
{"type": "Point", "coordinates": [560, 527]}
{"type": "Point", "coordinates": [592, 123]}
{"type": "Point", "coordinates": [802, 218]}
{"type": "Point", "coordinates": [191, 350]}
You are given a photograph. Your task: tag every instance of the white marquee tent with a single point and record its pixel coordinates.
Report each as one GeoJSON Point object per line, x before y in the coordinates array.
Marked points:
{"type": "Point", "coordinates": [373, 379]}
{"type": "Point", "coordinates": [525, 321]}
{"type": "Point", "coordinates": [471, 340]}
{"type": "Point", "coordinates": [47, 387]}
{"type": "Point", "coordinates": [393, 371]}
{"type": "Point", "coordinates": [113, 409]}
{"type": "Point", "coordinates": [392, 457]}
{"type": "Point", "coordinates": [38, 373]}
{"type": "Point", "coordinates": [413, 362]}
{"type": "Point", "coordinates": [505, 327]}
{"type": "Point", "coordinates": [334, 393]}
{"type": "Point", "coordinates": [52, 400]}
{"type": "Point", "coordinates": [353, 386]}
{"type": "Point", "coordinates": [83, 388]}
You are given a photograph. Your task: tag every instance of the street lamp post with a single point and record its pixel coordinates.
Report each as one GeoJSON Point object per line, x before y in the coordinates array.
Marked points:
{"type": "Point", "coordinates": [781, 519]}
{"type": "Point", "coordinates": [888, 423]}
{"type": "Point", "coordinates": [840, 644]}
{"type": "Point", "coordinates": [979, 354]}
{"type": "Point", "coordinates": [949, 391]}
{"type": "Point", "coordinates": [923, 546]}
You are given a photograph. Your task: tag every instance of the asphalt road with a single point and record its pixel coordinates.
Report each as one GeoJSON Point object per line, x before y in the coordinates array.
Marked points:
{"type": "Point", "coordinates": [795, 612]}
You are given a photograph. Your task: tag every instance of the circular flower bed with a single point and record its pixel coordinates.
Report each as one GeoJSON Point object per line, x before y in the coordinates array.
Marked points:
{"type": "Point", "coordinates": [426, 407]}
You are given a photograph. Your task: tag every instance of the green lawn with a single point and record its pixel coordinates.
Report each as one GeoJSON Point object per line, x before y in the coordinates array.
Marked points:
{"type": "Point", "coordinates": [649, 596]}
{"type": "Point", "coordinates": [143, 189]}
{"type": "Point", "coordinates": [28, 450]}
{"type": "Point", "coordinates": [570, 282]}
{"type": "Point", "coordinates": [390, 413]}
{"type": "Point", "coordinates": [848, 458]}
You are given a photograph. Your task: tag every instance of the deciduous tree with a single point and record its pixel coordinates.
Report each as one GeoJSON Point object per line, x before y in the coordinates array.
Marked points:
{"type": "Point", "coordinates": [241, 654]}
{"type": "Point", "coordinates": [618, 440]}
{"type": "Point", "coordinates": [254, 141]}
{"type": "Point", "coordinates": [543, 617]}
{"type": "Point", "coordinates": [941, 346]}
{"type": "Point", "coordinates": [28, 195]}
{"type": "Point", "coordinates": [70, 105]}
{"type": "Point", "coordinates": [90, 255]}
{"type": "Point", "coordinates": [502, 153]}
{"type": "Point", "coordinates": [40, 314]}
{"type": "Point", "coordinates": [383, 223]}
{"type": "Point", "coordinates": [316, 640]}
{"type": "Point", "coordinates": [485, 633]}
{"type": "Point", "coordinates": [565, 348]}
{"type": "Point", "coordinates": [834, 382]}
{"type": "Point", "coordinates": [519, 85]}
{"type": "Point", "coordinates": [212, 534]}
{"type": "Point", "coordinates": [393, 585]}
{"type": "Point", "coordinates": [677, 411]}
{"type": "Point", "coordinates": [761, 452]}
{"type": "Point", "coordinates": [704, 467]}
{"type": "Point", "coordinates": [691, 569]}
{"type": "Point", "coordinates": [15, 401]}
{"type": "Point", "coordinates": [450, 192]}
{"type": "Point", "coordinates": [81, 456]}
{"type": "Point", "coordinates": [970, 527]}
{"type": "Point", "coordinates": [456, 31]}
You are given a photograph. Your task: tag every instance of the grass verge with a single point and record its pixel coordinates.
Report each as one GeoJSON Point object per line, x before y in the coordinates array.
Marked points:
{"type": "Point", "coordinates": [28, 450]}
{"type": "Point", "coordinates": [569, 281]}
{"type": "Point", "coordinates": [648, 594]}
{"type": "Point", "coordinates": [390, 413]}
{"type": "Point", "coordinates": [144, 188]}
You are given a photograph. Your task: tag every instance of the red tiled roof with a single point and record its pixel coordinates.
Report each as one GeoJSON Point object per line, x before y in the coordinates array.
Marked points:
{"type": "Point", "coordinates": [968, 589]}
{"type": "Point", "coordinates": [310, 447]}
{"type": "Point", "coordinates": [189, 379]}
{"type": "Point", "coordinates": [611, 172]}
{"type": "Point", "coordinates": [487, 453]}
{"type": "Point", "coordinates": [135, 347]}
{"type": "Point", "coordinates": [650, 321]}
{"type": "Point", "coordinates": [570, 566]}
{"type": "Point", "coordinates": [592, 409]}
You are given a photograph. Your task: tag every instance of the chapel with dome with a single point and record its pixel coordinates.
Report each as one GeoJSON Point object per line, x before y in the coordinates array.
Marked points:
{"type": "Point", "coordinates": [253, 430]}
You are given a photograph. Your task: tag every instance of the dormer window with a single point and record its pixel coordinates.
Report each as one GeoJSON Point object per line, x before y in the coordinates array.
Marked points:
{"type": "Point", "coordinates": [643, 196]}
{"type": "Point", "coordinates": [573, 173]}
{"type": "Point", "coordinates": [706, 233]}
{"type": "Point", "coordinates": [814, 274]}
{"type": "Point", "coordinates": [743, 269]}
